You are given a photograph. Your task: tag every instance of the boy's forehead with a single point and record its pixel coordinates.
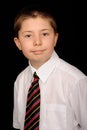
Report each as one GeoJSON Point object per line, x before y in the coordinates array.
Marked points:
{"type": "Point", "coordinates": [36, 24]}
{"type": "Point", "coordinates": [36, 21]}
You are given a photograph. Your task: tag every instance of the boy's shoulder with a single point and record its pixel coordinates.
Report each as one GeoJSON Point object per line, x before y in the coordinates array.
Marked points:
{"type": "Point", "coordinates": [70, 69]}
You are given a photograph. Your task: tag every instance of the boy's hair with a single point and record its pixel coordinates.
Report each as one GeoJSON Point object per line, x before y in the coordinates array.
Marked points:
{"type": "Point", "coordinates": [26, 13]}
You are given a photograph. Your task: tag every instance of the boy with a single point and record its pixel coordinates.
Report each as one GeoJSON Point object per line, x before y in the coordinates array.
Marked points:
{"type": "Point", "coordinates": [63, 87]}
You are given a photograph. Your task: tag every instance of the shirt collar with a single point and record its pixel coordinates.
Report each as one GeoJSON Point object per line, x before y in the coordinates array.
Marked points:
{"type": "Point", "coordinates": [45, 70]}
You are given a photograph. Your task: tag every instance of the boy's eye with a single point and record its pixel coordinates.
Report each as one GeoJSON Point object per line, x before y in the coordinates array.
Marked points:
{"type": "Point", "coordinates": [28, 35]}
{"type": "Point", "coordinates": [45, 34]}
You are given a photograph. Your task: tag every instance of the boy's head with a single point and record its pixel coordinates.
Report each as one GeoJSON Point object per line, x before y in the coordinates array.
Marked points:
{"type": "Point", "coordinates": [35, 35]}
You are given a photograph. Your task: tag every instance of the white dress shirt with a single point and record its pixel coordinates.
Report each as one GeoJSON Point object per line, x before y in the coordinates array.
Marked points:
{"type": "Point", "coordinates": [63, 96]}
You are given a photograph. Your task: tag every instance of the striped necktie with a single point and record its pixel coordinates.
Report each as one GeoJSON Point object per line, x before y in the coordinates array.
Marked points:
{"type": "Point", "coordinates": [32, 115]}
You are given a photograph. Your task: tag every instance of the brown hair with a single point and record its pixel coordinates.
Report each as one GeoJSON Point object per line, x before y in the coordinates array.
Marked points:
{"type": "Point", "coordinates": [26, 13]}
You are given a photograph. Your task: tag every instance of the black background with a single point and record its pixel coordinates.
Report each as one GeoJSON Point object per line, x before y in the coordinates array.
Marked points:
{"type": "Point", "coordinates": [71, 17]}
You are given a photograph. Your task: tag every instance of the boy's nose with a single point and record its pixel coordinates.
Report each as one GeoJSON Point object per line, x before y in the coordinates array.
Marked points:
{"type": "Point", "coordinates": [37, 42]}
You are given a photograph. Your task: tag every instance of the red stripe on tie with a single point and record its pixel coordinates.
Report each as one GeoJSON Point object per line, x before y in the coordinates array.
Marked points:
{"type": "Point", "coordinates": [33, 106]}
{"type": "Point", "coordinates": [35, 91]}
{"type": "Point", "coordinates": [31, 121]}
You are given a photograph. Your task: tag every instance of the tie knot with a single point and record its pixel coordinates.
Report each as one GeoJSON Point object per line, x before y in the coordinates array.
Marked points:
{"type": "Point", "coordinates": [35, 75]}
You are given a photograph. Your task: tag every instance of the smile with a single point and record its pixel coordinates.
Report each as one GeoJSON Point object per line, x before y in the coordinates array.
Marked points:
{"type": "Point", "coordinates": [38, 52]}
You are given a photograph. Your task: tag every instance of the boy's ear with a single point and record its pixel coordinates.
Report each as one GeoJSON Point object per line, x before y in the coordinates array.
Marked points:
{"type": "Point", "coordinates": [17, 42]}
{"type": "Point", "coordinates": [56, 39]}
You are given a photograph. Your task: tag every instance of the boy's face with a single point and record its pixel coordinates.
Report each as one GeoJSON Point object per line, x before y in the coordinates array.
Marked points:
{"type": "Point", "coordinates": [36, 40]}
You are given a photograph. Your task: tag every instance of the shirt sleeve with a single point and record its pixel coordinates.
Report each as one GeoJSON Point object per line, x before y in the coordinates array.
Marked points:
{"type": "Point", "coordinates": [79, 103]}
{"type": "Point", "coordinates": [15, 109]}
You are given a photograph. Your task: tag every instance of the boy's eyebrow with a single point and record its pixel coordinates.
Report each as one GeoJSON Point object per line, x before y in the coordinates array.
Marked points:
{"type": "Point", "coordinates": [26, 32]}
{"type": "Point", "coordinates": [45, 29]}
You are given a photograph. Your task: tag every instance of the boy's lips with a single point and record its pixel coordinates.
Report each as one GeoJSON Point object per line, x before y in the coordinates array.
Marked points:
{"type": "Point", "coordinates": [38, 51]}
